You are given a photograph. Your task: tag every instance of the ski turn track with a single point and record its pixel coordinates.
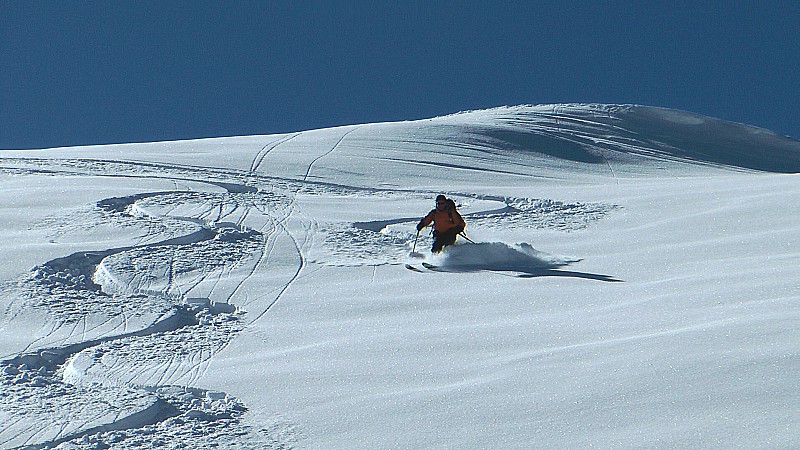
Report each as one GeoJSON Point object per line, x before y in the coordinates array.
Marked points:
{"type": "Point", "coordinates": [130, 329]}
{"type": "Point", "coordinates": [113, 383]}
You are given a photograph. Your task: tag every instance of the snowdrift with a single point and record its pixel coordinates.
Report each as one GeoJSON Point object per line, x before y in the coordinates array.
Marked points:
{"type": "Point", "coordinates": [499, 256]}
{"type": "Point", "coordinates": [567, 142]}
{"type": "Point", "coordinates": [596, 134]}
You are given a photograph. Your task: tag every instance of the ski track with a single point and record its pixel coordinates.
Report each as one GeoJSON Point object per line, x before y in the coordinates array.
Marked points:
{"type": "Point", "coordinates": [266, 149]}
{"type": "Point", "coordinates": [170, 369]}
{"type": "Point", "coordinates": [179, 346]}
{"type": "Point", "coordinates": [255, 267]}
{"type": "Point", "coordinates": [314, 161]}
{"type": "Point", "coordinates": [282, 224]}
{"type": "Point", "coordinates": [461, 167]}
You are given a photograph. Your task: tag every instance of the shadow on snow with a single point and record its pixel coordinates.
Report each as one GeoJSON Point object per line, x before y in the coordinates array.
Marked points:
{"type": "Point", "coordinates": [521, 258]}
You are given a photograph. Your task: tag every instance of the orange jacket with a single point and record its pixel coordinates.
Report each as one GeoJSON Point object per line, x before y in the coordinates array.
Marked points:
{"type": "Point", "coordinates": [444, 220]}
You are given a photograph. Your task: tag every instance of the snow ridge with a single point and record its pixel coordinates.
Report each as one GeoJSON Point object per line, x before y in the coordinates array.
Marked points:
{"type": "Point", "coordinates": [596, 134]}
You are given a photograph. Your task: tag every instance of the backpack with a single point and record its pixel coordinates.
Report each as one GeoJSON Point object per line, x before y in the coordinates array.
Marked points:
{"type": "Point", "coordinates": [451, 206]}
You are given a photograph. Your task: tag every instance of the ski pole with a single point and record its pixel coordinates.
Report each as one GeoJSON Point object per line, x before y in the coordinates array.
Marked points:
{"type": "Point", "coordinates": [413, 250]}
{"type": "Point", "coordinates": [464, 235]}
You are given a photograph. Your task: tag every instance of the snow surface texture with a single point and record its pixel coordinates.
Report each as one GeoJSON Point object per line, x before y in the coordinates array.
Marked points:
{"type": "Point", "coordinates": [249, 292]}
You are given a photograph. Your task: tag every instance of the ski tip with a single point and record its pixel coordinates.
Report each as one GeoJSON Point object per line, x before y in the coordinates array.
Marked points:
{"type": "Point", "coordinates": [415, 269]}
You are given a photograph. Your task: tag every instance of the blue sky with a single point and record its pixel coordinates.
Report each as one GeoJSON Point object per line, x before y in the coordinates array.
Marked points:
{"type": "Point", "coordinates": [95, 72]}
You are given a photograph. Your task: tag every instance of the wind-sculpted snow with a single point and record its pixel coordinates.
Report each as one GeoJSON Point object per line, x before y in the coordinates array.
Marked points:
{"type": "Point", "coordinates": [596, 134]}
{"type": "Point", "coordinates": [552, 141]}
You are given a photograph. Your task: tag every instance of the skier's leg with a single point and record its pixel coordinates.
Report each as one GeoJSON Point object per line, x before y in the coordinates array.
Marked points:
{"type": "Point", "coordinates": [449, 238]}
{"type": "Point", "coordinates": [444, 239]}
{"type": "Point", "coordinates": [438, 244]}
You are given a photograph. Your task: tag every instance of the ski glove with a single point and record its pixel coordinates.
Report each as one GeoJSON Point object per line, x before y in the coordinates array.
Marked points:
{"type": "Point", "coordinates": [420, 226]}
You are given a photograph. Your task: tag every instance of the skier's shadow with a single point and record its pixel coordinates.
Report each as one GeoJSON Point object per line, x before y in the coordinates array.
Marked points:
{"type": "Point", "coordinates": [535, 272]}
{"type": "Point", "coordinates": [568, 273]}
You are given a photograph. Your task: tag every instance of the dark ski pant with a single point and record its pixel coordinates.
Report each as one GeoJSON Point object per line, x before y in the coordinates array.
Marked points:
{"type": "Point", "coordinates": [443, 239]}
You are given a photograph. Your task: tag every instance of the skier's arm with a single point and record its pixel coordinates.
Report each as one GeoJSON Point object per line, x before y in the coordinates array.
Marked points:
{"type": "Point", "coordinates": [425, 221]}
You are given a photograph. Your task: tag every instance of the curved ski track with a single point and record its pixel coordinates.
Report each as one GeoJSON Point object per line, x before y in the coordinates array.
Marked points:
{"type": "Point", "coordinates": [172, 369]}
{"type": "Point", "coordinates": [314, 161]}
{"type": "Point", "coordinates": [154, 316]}
{"type": "Point", "coordinates": [259, 158]}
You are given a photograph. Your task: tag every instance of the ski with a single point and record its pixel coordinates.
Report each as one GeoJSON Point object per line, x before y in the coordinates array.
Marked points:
{"type": "Point", "coordinates": [426, 268]}
{"type": "Point", "coordinates": [412, 268]}
{"type": "Point", "coordinates": [434, 268]}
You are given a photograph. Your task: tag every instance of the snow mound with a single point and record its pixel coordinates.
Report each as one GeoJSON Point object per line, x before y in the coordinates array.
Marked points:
{"type": "Point", "coordinates": [596, 134]}
{"type": "Point", "coordinates": [521, 257]}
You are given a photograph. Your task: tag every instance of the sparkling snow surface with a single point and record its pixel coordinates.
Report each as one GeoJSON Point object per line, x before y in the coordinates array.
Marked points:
{"type": "Point", "coordinates": [633, 283]}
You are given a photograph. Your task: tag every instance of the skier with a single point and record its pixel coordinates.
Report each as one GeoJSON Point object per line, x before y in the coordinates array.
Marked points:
{"type": "Point", "coordinates": [447, 223]}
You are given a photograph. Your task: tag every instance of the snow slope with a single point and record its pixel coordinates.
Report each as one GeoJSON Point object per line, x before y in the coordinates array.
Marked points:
{"type": "Point", "coordinates": [633, 283]}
